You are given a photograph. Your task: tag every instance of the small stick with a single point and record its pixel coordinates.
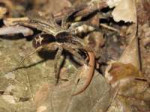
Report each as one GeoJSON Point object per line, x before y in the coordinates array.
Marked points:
{"type": "Point", "coordinates": [109, 28]}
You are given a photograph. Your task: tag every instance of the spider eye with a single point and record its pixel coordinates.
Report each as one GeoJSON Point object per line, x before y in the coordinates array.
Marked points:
{"type": "Point", "coordinates": [42, 40]}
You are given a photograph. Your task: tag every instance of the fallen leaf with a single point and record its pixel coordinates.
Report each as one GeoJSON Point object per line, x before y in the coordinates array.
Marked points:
{"type": "Point", "coordinates": [125, 11]}
{"type": "Point", "coordinates": [11, 30]}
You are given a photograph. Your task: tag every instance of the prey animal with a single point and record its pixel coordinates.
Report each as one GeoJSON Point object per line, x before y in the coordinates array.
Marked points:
{"type": "Point", "coordinates": [59, 38]}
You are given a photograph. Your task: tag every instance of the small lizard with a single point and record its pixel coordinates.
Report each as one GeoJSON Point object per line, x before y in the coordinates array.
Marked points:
{"type": "Point", "coordinates": [91, 65]}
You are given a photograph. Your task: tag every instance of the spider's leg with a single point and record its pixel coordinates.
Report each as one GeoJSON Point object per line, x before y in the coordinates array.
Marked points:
{"type": "Point", "coordinates": [74, 50]}
{"type": "Point", "coordinates": [19, 66]}
{"type": "Point", "coordinates": [33, 52]}
{"type": "Point", "coordinates": [78, 56]}
{"type": "Point", "coordinates": [56, 65]}
{"type": "Point", "coordinates": [63, 22]}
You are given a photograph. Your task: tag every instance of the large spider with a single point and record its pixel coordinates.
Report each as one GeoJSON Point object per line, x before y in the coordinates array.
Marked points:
{"type": "Point", "coordinates": [55, 37]}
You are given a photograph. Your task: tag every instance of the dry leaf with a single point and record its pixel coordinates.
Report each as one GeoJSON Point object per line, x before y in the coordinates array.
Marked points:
{"type": "Point", "coordinates": [128, 64]}
{"type": "Point", "coordinates": [3, 11]}
{"type": "Point", "coordinates": [126, 11]}
{"type": "Point", "coordinates": [96, 97]}
{"type": "Point", "coordinates": [131, 54]}
{"type": "Point", "coordinates": [11, 30]}
{"type": "Point", "coordinates": [113, 3]}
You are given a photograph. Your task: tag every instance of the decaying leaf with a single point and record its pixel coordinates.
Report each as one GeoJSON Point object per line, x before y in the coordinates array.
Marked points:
{"type": "Point", "coordinates": [132, 88]}
{"type": "Point", "coordinates": [128, 64]}
{"type": "Point", "coordinates": [120, 73]}
{"type": "Point", "coordinates": [94, 99]}
{"type": "Point", "coordinates": [131, 56]}
{"type": "Point", "coordinates": [124, 75]}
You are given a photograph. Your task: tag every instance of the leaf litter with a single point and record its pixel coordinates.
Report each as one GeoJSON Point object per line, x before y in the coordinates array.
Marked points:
{"type": "Point", "coordinates": [120, 42]}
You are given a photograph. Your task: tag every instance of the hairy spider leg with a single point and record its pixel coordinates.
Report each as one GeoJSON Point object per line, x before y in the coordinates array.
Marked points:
{"type": "Point", "coordinates": [27, 56]}
{"type": "Point", "coordinates": [21, 62]}
{"type": "Point", "coordinates": [56, 65]}
{"type": "Point", "coordinates": [74, 50]}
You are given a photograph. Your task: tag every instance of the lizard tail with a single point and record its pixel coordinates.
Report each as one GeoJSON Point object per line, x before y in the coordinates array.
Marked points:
{"type": "Point", "coordinates": [91, 65]}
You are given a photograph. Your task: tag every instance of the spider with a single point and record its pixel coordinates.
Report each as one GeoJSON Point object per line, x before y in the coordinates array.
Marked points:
{"type": "Point", "coordinates": [55, 37]}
